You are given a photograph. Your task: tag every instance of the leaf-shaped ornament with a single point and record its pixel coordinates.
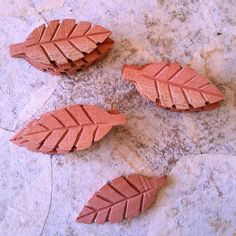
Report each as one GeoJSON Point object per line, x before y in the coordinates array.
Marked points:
{"type": "Point", "coordinates": [64, 47]}
{"type": "Point", "coordinates": [68, 129]}
{"type": "Point", "coordinates": [173, 87]}
{"type": "Point", "coordinates": [123, 198]}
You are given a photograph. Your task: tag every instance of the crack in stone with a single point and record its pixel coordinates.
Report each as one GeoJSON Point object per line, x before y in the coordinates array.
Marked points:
{"type": "Point", "coordinates": [39, 13]}
{"type": "Point", "coordinates": [50, 200]}
{"type": "Point", "coordinates": [31, 3]}
{"type": "Point", "coordinates": [17, 126]}
{"type": "Point", "coordinates": [12, 131]}
{"type": "Point", "coordinates": [207, 55]}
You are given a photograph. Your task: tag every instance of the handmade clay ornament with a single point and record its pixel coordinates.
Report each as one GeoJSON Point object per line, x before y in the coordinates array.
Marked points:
{"type": "Point", "coordinates": [173, 87]}
{"type": "Point", "coordinates": [64, 47]}
{"type": "Point", "coordinates": [123, 198]}
{"type": "Point", "coordinates": [68, 129]}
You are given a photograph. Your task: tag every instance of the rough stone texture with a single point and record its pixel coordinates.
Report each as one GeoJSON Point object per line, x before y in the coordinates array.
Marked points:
{"type": "Point", "coordinates": [199, 33]}
{"type": "Point", "coordinates": [25, 180]}
{"type": "Point", "coordinates": [200, 199]}
{"type": "Point", "coordinates": [28, 7]}
{"type": "Point", "coordinates": [23, 88]}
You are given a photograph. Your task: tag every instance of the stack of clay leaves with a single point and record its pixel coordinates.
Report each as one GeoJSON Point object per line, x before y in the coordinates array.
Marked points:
{"type": "Point", "coordinates": [123, 198]}
{"type": "Point", "coordinates": [64, 47]}
{"type": "Point", "coordinates": [173, 87]}
{"type": "Point", "coordinates": [68, 129]}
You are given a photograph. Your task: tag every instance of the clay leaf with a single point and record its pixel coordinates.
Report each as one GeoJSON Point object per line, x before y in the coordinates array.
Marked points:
{"type": "Point", "coordinates": [68, 129]}
{"type": "Point", "coordinates": [123, 198]}
{"type": "Point", "coordinates": [64, 47]}
{"type": "Point", "coordinates": [173, 87]}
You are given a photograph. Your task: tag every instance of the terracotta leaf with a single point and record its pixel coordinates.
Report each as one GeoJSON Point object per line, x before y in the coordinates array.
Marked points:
{"type": "Point", "coordinates": [123, 198]}
{"type": "Point", "coordinates": [64, 47]}
{"type": "Point", "coordinates": [68, 129]}
{"type": "Point", "coordinates": [173, 87]}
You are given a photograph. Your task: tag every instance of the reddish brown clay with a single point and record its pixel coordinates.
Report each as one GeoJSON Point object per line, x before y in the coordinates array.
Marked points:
{"type": "Point", "coordinates": [68, 129]}
{"type": "Point", "coordinates": [173, 87]}
{"type": "Point", "coordinates": [64, 47]}
{"type": "Point", "coordinates": [123, 198]}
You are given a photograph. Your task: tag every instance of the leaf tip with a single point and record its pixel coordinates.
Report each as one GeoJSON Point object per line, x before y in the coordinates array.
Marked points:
{"type": "Point", "coordinates": [159, 182]}
{"type": "Point", "coordinates": [86, 216]}
{"type": "Point", "coordinates": [130, 72]}
{"type": "Point", "coordinates": [17, 50]}
{"type": "Point", "coordinates": [14, 137]}
{"type": "Point", "coordinates": [119, 119]}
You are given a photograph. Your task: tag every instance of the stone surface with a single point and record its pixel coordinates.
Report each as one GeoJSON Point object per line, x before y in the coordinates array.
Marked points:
{"type": "Point", "coordinates": [199, 33]}
{"type": "Point", "coordinates": [200, 199]}
{"type": "Point", "coordinates": [24, 89]}
{"type": "Point", "coordinates": [25, 181]}
{"type": "Point", "coordinates": [28, 7]}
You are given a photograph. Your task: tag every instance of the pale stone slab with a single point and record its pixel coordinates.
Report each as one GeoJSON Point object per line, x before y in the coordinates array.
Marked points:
{"type": "Point", "coordinates": [23, 88]}
{"type": "Point", "coordinates": [28, 7]}
{"type": "Point", "coordinates": [200, 198]}
{"type": "Point", "coordinates": [25, 193]}
{"type": "Point", "coordinates": [199, 33]}
{"type": "Point", "coordinates": [75, 178]}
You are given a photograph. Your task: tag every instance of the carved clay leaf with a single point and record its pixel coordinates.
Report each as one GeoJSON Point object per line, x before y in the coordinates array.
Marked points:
{"type": "Point", "coordinates": [63, 47]}
{"type": "Point", "coordinates": [173, 87]}
{"type": "Point", "coordinates": [68, 129]}
{"type": "Point", "coordinates": [123, 198]}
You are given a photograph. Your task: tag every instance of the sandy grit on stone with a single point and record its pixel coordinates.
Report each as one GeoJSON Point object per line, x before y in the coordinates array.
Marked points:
{"type": "Point", "coordinates": [200, 198]}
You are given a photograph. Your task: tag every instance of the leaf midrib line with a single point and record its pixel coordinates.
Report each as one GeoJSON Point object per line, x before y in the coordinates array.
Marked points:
{"type": "Point", "coordinates": [66, 127]}
{"type": "Point", "coordinates": [183, 86]}
{"type": "Point", "coordinates": [67, 38]}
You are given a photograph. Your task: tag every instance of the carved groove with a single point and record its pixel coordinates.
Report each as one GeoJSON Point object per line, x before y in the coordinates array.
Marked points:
{"type": "Point", "coordinates": [46, 53]}
{"type": "Point", "coordinates": [71, 115]}
{"type": "Point", "coordinates": [186, 97]}
{"type": "Point", "coordinates": [77, 139]}
{"type": "Point", "coordinates": [178, 71]}
{"type": "Point", "coordinates": [62, 53]}
{"type": "Point", "coordinates": [125, 210]}
{"type": "Point", "coordinates": [72, 31]}
{"type": "Point", "coordinates": [116, 190]}
{"type": "Point", "coordinates": [55, 31]}
{"type": "Point", "coordinates": [103, 198]}
{"type": "Point", "coordinates": [132, 185]}
{"type": "Point", "coordinates": [189, 80]}
{"type": "Point", "coordinates": [87, 114]}
{"type": "Point", "coordinates": [42, 34]}
{"type": "Point", "coordinates": [58, 121]}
